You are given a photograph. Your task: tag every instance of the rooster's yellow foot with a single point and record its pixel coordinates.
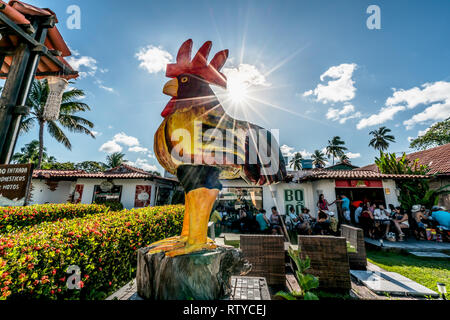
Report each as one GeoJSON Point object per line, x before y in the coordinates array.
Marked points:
{"type": "Point", "coordinates": [167, 246]}
{"type": "Point", "coordinates": [175, 239]}
{"type": "Point", "coordinates": [189, 248]}
{"type": "Point", "coordinates": [169, 240]}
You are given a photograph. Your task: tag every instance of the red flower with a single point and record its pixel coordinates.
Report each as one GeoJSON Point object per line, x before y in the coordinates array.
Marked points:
{"type": "Point", "coordinates": [81, 283]}
{"type": "Point", "coordinates": [110, 283]}
{"type": "Point", "coordinates": [54, 271]}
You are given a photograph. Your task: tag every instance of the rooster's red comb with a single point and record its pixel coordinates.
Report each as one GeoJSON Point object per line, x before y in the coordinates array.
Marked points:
{"type": "Point", "coordinates": [199, 65]}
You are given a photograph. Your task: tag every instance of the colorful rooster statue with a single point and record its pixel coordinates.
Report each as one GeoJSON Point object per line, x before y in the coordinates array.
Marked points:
{"type": "Point", "coordinates": [200, 144]}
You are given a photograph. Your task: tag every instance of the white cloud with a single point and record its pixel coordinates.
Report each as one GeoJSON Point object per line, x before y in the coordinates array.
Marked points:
{"type": "Point", "coordinates": [89, 65]}
{"type": "Point", "coordinates": [436, 96]}
{"type": "Point", "coordinates": [245, 74]}
{"type": "Point", "coordinates": [286, 150]}
{"type": "Point", "coordinates": [438, 111]}
{"type": "Point", "coordinates": [96, 133]}
{"type": "Point", "coordinates": [110, 147]}
{"type": "Point", "coordinates": [143, 164]}
{"type": "Point", "coordinates": [352, 155]}
{"type": "Point", "coordinates": [386, 113]}
{"type": "Point", "coordinates": [102, 86]}
{"type": "Point", "coordinates": [126, 140]}
{"type": "Point", "coordinates": [344, 114]}
{"type": "Point", "coordinates": [153, 59]}
{"type": "Point", "coordinates": [138, 149]}
{"type": "Point", "coordinates": [339, 88]}
{"type": "Point", "coordinates": [432, 92]}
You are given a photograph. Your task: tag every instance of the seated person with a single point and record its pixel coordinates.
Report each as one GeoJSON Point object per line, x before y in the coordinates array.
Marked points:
{"type": "Point", "coordinates": [292, 220]}
{"type": "Point", "coordinates": [333, 222]}
{"type": "Point", "coordinates": [242, 219]}
{"type": "Point", "coordinates": [401, 222]}
{"type": "Point", "coordinates": [322, 224]}
{"type": "Point", "coordinates": [275, 221]}
{"type": "Point", "coordinates": [263, 222]}
{"type": "Point", "coordinates": [421, 218]}
{"type": "Point", "coordinates": [382, 220]}
{"type": "Point", "coordinates": [367, 221]}
{"type": "Point", "coordinates": [306, 221]}
{"type": "Point", "coordinates": [441, 216]}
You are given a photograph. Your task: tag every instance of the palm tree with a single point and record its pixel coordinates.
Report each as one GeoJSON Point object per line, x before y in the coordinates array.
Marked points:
{"type": "Point", "coordinates": [381, 138]}
{"type": "Point", "coordinates": [30, 154]}
{"type": "Point", "coordinates": [318, 159]}
{"type": "Point", "coordinates": [344, 158]}
{"type": "Point", "coordinates": [335, 147]}
{"type": "Point", "coordinates": [115, 159]}
{"type": "Point", "coordinates": [296, 161]}
{"type": "Point", "coordinates": [67, 118]}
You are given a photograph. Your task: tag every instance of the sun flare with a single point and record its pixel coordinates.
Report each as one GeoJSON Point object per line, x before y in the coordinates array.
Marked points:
{"type": "Point", "coordinates": [237, 91]}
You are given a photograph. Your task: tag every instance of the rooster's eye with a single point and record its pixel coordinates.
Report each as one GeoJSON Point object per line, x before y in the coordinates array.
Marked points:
{"type": "Point", "coordinates": [184, 79]}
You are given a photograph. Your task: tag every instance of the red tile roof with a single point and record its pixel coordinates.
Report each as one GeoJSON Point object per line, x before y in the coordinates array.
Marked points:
{"type": "Point", "coordinates": [18, 12]}
{"type": "Point", "coordinates": [121, 172]}
{"type": "Point", "coordinates": [355, 174]}
{"type": "Point", "coordinates": [437, 159]}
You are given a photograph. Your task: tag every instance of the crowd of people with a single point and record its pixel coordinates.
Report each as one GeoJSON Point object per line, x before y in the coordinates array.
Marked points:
{"type": "Point", "coordinates": [377, 221]}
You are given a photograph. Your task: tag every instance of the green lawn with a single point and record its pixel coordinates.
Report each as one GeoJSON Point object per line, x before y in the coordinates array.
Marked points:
{"type": "Point", "coordinates": [426, 271]}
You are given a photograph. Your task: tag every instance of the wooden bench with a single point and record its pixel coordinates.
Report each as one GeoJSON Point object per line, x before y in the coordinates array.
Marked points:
{"type": "Point", "coordinates": [355, 236]}
{"type": "Point", "coordinates": [267, 256]}
{"type": "Point", "coordinates": [329, 260]}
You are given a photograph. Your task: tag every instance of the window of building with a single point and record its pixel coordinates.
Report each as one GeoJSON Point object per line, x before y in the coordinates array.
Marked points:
{"type": "Point", "coordinates": [114, 194]}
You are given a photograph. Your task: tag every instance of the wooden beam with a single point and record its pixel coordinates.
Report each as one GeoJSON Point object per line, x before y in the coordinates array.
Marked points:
{"type": "Point", "coordinates": [34, 44]}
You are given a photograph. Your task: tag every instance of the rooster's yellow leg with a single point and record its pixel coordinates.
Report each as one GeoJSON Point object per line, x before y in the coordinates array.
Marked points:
{"type": "Point", "coordinates": [184, 233]}
{"type": "Point", "coordinates": [199, 203]}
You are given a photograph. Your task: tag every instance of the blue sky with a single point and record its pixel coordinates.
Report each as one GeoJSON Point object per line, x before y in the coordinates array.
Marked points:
{"type": "Point", "coordinates": [313, 68]}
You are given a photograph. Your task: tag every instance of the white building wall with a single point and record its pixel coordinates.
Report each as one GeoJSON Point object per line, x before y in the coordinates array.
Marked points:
{"type": "Point", "coordinates": [41, 192]}
{"type": "Point", "coordinates": [128, 190]}
{"type": "Point", "coordinates": [327, 187]}
{"type": "Point", "coordinates": [392, 197]}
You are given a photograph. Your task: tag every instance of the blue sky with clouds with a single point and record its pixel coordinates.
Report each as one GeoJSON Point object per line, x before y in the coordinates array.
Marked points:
{"type": "Point", "coordinates": [313, 68]}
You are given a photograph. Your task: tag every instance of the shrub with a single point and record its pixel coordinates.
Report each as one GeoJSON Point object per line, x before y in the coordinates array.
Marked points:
{"type": "Point", "coordinates": [112, 205]}
{"type": "Point", "coordinates": [34, 262]}
{"type": "Point", "coordinates": [16, 218]}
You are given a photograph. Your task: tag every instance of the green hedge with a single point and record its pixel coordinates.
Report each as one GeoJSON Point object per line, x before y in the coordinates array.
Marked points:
{"type": "Point", "coordinates": [112, 205]}
{"type": "Point", "coordinates": [33, 263]}
{"type": "Point", "coordinates": [16, 218]}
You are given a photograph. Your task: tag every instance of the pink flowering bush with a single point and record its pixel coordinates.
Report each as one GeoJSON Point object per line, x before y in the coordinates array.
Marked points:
{"type": "Point", "coordinates": [34, 262]}
{"type": "Point", "coordinates": [17, 218]}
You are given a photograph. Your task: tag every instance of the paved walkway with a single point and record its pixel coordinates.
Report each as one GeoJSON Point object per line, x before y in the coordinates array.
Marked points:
{"type": "Point", "coordinates": [410, 244]}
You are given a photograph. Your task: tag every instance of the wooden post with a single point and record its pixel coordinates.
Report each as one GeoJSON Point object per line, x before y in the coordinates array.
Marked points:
{"type": "Point", "coordinates": [11, 91]}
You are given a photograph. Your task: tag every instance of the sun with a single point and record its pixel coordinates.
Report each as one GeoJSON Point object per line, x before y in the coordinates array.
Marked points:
{"type": "Point", "coordinates": [237, 90]}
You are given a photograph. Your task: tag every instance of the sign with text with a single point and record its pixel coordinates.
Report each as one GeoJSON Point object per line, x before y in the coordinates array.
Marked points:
{"type": "Point", "coordinates": [294, 198]}
{"type": "Point", "coordinates": [14, 184]}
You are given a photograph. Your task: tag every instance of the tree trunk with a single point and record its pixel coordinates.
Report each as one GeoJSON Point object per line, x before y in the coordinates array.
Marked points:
{"type": "Point", "coordinates": [203, 275]}
{"type": "Point", "coordinates": [41, 142]}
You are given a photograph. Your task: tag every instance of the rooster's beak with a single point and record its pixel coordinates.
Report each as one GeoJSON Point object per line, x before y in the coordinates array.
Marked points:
{"type": "Point", "coordinates": [171, 88]}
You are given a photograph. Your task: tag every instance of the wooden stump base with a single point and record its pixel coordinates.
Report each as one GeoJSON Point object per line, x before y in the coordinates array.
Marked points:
{"type": "Point", "coordinates": [203, 275]}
